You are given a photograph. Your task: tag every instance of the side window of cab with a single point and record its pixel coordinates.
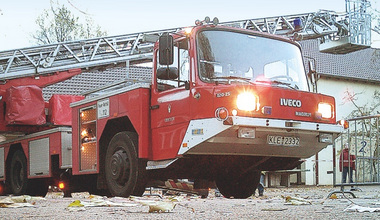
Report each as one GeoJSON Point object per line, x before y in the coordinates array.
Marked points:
{"type": "Point", "coordinates": [177, 74]}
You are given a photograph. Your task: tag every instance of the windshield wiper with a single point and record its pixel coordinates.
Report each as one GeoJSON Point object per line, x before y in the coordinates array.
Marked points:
{"type": "Point", "coordinates": [276, 82]}
{"type": "Point", "coordinates": [232, 78]}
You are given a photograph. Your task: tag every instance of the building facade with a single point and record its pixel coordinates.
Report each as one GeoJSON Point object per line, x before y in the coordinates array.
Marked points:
{"type": "Point", "coordinates": [352, 79]}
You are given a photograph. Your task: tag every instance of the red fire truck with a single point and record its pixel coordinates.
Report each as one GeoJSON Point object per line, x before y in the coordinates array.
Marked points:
{"type": "Point", "coordinates": [224, 104]}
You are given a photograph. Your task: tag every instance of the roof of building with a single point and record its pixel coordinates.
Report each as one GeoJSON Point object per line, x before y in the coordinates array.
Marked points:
{"type": "Point", "coordinates": [360, 65]}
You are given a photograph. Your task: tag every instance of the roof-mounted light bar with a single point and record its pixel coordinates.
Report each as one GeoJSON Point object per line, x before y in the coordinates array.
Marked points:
{"type": "Point", "coordinates": [207, 20]}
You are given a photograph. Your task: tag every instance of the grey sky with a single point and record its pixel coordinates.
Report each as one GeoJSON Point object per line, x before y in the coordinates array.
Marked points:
{"type": "Point", "coordinates": [17, 18]}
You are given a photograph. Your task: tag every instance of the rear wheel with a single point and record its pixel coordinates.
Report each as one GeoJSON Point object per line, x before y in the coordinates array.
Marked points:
{"type": "Point", "coordinates": [125, 174]}
{"type": "Point", "coordinates": [238, 186]}
{"type": "Point", "coordinates": [18, 174]}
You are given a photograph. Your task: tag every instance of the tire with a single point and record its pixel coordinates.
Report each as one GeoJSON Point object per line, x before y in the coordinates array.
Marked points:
{"type": "Point", "coordinates": [18, 174]}
{"type": "Point", "coordinates": [236, 186]}
{"type": "Point", "coordinates": [125, 174]}
{"type": "Point", "coordinates": [38, 187]}
{"type": "Point", "coordinates": [66, 193]}
{"type": "Point", "coordinates": [141, 180]}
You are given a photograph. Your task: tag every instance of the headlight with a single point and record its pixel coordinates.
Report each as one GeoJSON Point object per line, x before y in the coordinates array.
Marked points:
{"type": "Point", "coordinates": [325, 110]}
{"type": "Point", "coordinates": [247, 101]}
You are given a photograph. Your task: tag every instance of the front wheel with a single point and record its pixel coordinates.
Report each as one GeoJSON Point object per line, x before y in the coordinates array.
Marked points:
{"type": "Point", "coordinates": [124, 174]}
{"type": "Point", "coordinates": [238, 186]}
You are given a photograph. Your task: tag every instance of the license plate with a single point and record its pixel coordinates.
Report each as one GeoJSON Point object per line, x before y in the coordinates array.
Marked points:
{"type": "Point", "coordinates": [284, 141]}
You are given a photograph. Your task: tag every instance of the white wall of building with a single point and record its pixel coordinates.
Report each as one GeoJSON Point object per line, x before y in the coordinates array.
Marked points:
{"type": "Point", "coordinates": [337, 88]}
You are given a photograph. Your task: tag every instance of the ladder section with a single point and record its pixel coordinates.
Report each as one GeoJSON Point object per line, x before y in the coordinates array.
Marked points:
{"type": "Point", "coordinates": [355, 33]}
{"type": "Point", "coordinates": [299, 26]}
{"type": "Point", "coordinates": [45, 59]}
{"type": "Point", "coordinates": [339, 33]}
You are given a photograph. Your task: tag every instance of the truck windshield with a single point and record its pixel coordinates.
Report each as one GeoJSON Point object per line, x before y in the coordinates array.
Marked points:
{"type": "Point", "coordinates": [228, 57]}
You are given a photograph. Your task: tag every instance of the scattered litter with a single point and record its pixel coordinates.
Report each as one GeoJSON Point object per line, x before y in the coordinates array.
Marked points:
{"type": "Point", "coordinates": [333, 196]}
{"type": "Point", "coordinates": [296, 201]}
{"type": "Point", "coordinates": [99, 201]}
{"type": "Point", "coordinates": [358, 208]}
{"type": "Point", "coordinates": [76, 206]}
{"type": "Point", "coordinates": [156, 206]}
{"type": "Point", "coordinates": [26, 198]}
{"type": "Point", "coordinates": [81, 195]}
{"type": "Point", "coordinates": [54, 195]}
{"type": "Point", "coordinates": [19, 201]}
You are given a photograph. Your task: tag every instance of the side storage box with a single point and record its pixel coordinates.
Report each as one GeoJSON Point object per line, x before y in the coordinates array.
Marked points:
{"type": "Point", "coordinates": [25, 105]}
{"type": "Point", "coordinates": [60, 111]}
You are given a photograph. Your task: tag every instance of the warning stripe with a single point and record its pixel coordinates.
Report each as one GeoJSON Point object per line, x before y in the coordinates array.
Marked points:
{"type": "Point", "coordinates": [178, 185]}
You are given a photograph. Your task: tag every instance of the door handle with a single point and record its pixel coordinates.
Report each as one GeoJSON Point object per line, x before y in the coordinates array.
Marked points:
{"type": "Point", "coordinates": [154, 107]}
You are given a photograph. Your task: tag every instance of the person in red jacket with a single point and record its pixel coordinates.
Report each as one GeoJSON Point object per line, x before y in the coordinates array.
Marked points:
{"type": "Point", "coordinates": [347, 164]}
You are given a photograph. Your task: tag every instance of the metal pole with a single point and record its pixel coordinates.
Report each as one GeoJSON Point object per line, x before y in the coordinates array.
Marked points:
{"type": "Point", "coordinates": [363, 142]}
{"type": "Point", "coordinates": [371, 160]}
{"type": "Point", "coordinates": [356, 151]}
{"type": "Point", "coordinates": [377, 149]}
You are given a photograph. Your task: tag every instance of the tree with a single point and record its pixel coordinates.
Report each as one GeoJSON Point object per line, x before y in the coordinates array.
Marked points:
{"type": "Point", "coordinates": [366, 109]}
{"type": "Point", "coordinates": [58, 24]}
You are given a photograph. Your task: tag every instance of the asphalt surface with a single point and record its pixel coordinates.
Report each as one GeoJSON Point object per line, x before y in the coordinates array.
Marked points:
{"type": "Point", "coordinates": [296, 202]}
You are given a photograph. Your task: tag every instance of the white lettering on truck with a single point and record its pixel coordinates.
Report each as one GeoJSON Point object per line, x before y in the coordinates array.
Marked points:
{"type": "Point", "coordinates": [291, 102]}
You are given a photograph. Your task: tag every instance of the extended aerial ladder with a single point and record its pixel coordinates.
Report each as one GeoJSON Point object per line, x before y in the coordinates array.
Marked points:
{"type": "Point", "coordinates": [339, 33]}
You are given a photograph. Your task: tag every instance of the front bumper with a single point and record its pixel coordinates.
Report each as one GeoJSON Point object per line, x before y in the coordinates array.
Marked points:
{"type": "Point", "coordinates": [215, 137]}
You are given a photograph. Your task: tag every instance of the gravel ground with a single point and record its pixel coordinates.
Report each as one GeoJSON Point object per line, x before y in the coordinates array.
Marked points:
{"type": "Point", "coordinates": [272, 205]}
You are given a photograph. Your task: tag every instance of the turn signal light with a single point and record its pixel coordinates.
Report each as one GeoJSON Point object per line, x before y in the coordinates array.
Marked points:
{"type": "Point", "coordinates": [221, 113]}
{"type": "Point", "coordinates": [344, 123]}
{"type": "Point", "coordinates": [61, 185]}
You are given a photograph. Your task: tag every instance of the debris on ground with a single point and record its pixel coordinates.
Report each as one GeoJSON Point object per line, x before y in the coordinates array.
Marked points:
{"type": "Point", "coordinates": [19, 201]}
{"type": "Point", "coordinates": [76, 206]}
{"type": "Point", "coordinates": [157, 205]}
{"type": "Point", "coordinates": [358, 208]}
{"type": "Point", "coordinates": [290, 200]}
{"type": "Point", "coordinates": [99, 201]}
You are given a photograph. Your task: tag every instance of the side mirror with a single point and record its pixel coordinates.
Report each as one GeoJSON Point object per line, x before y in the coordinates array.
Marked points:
{"type": "Point", "coordinates": [311, 67]}
{"type": "Point", "coordinates": [166, 49]}
{"type": "Point", "coordinates": [313, 75]}
{"type": "Point", "coordinates": [170, 73]}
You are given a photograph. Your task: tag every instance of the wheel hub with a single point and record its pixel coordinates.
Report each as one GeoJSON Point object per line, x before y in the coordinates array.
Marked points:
{"type": "Point", "coordinates": [119, 166]}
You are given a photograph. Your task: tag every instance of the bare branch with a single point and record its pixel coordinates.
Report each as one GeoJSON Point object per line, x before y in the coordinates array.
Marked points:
{"type": "Point", "coordinates": [59, 24]}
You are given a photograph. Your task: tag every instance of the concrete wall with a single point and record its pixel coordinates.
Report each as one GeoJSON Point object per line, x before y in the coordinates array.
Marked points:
{"type": "Point", "coordinates": [337, 88]}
